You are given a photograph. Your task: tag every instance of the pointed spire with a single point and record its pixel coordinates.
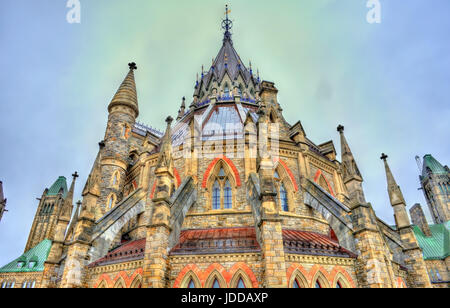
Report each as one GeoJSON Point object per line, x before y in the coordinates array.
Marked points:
{"type": "Point", "coordinates": [126, 95]}
{"type": "Point", "coordinates": [182, 110]}
{"type": "Point", "coordinates": [350, 173]}
{"type": "Point", "coordinates": [350, 169]}
{"type": "Point", "coordinates": [2, 201]}
{"type": "Point", "coordinates": [227, 25]}
{"type": "Point", "coordinates": [396, 198]}
{"type": "Point", "coordinates": [165, 154]}
{"type": "Point", "coordinates": [68, 202]}
{"type": "Point", "coordinates": [395, 193]}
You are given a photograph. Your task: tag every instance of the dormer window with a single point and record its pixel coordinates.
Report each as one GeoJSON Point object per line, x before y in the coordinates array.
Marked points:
{"type": "Point", "coordinates": [32, 264]}
{"type": "Point", "coordinates": [20, 264]}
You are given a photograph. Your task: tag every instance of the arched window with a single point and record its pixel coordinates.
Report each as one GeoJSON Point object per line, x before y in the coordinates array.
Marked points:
{"type": "Point", "coordinates": [228, 196]}
{"type": "Point", "coordinates": [216, 196]}
{"type": "Point", "coordinates": [318, 285]}
{"type": "Point", "coordinates": [438, 275]}
{"type": "Point", "coordinates": [296, 285]}
{"type": "Point", "coordinates": [24, 284]}
{"type": "Point", "coordinates": [338, 285]}
{"type": "Point", "coordinates": [115, 179]}
{"type": "Point", "coordinates": [226, 90]}
{"type": "Point", "coordinates": [222, 190]}
{"type": "Point", "coordinates": [191, 284]}
{"type": "Point", "coordinates": [283, 198]}
{"type": "Point", "coordinates": [3, 284]}
{"type": "Point", "coordinates": [216, 284]}
{"type": "Point", "coordinates": [111, 202]}
{"type": "Point", "coordinates": [241, 284]}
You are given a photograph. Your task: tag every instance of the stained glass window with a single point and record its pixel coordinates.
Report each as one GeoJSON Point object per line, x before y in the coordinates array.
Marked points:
{"type": "Point", "coordinates": [296, 285]}
{"type": "Point", "coordinates": [284, 199]}
{"type": "Point", "coordinates": [338, 285]}
{"type": "Point", "coordinates": [216, 196]}
{"type": "Point", "coordinates": [228, 196]}
{"type": "Point", "coordinates": [318, 286]}
{"type": "Point", "coordinates": [191, 284]}
{"type": "Point", "coordinates": [276, 175]}
{"type": "Point", "coordinates": [241, 284]}
{"type": "Point", "coordinates": [221, 172]}
{"type": "Point", "coordinates": [216, 284]}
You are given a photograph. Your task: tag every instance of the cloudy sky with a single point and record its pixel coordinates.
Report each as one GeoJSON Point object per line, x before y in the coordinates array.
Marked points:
{"type": "Point", "coordinates": [388, 83]}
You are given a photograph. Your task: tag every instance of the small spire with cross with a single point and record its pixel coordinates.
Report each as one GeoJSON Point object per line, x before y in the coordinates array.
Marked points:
{"type": "Point", "coordinates": [75, 175]}
{"type": "Point", "coordinates": [340, 129]}
{"type": "Point", "coordinates": [227, 24]}
{"type": "Point", "coordinates": [132, 66]}
{"type": "Point", "coordinates": [384, 157]}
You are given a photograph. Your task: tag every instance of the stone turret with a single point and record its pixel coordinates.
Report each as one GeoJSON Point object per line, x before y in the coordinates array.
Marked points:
{"type": "Point", "coordinates": [123, 111]}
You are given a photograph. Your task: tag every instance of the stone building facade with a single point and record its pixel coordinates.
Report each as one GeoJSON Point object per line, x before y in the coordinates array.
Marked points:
{"type": "Point", "coordinates": [230, 195]}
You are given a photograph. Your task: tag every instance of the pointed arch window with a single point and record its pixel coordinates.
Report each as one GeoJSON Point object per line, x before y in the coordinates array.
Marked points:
{"type": "Point", "coordinates": [191, 284]}
{"type": "Point", "coordinates": [216, 196]}
{"type": "Point", "coordinates": [283, 198]}
{"type": "Point", "coordinates": [222, 191]}
{"type": "Point", "coordinates": [226, 90]}
{"type": "Point", "coordinates": [216, 284]}
{"type": "Point", "coordinates": [111, 201]}
{"type": "Point", "coordinates": [318, 285]}
{"type": "Point", "coordinates": [339, 285]}
{"type": "Point", "coordinates": [228, 196]}
{"type": "Point", "coordinates": [296, 285]}
{"type": "Point", "coordinates": [241, 284]}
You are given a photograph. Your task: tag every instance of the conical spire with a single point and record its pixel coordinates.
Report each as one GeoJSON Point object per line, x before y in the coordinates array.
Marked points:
{"type": "Point", "coordinates": [350, 173]}
{"type": "Point", "coordinates": [350, 169]}
{"type": "Point", "coordinates": [165, 154]}
{"type": "Point", "coordinates": [127, 94]}
{"type": "Point", "coordinates": [396, 198]}
{"type": "Point", "coordinates": [395, 193]}
{"type": "Point", "coordinates": [182, 109]}
{"type": "Point", "coordinates": [68, 202]}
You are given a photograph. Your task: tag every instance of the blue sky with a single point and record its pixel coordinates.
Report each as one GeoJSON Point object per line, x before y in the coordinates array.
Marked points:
{"type": "Point", "coordinates": [387, 83]}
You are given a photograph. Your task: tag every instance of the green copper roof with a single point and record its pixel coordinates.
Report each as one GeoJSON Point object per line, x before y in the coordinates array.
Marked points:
{"type": "Point", "coordinates": [60, 183]}
{"type": "Point", "coordinates": [31, 261]}
{"type": "Point", "coordinates": [436, 247]}
{"type": "Point", "coordinates": [430, 162]}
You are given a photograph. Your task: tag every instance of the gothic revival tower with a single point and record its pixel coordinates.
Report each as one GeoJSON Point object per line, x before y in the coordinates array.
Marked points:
{"type": "Point", "coordinates": [2, 201]}
{"type": "Point", "coordinates": [47, 213]}
{"type": "Point", "coordinates": [123, 111]}
{"type": "Point", "coordinates": [435, 182]}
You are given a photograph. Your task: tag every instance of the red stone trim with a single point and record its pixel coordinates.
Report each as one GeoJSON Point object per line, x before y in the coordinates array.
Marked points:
{"type": "Point", "coordinates": [289, 172]}
{"type": "Point", "coordinates": [229, 163]}
{"type": "Point", "coordinates": [215, 267]}
{"type": "Point", "coordinates": [177, 176]}
{"type": "Point", "coordinates": [316, 179]}
{"type": "Point", "coordinates": [309, 276]}
{"type": "Point", "coordinates": [122, 274]}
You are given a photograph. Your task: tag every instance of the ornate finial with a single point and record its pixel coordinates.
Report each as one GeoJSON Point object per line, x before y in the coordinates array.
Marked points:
{"type": "Point", "coordinates": [132, 66]}
{"type": "Point", "coordinates": [169, 120]}
{"type": "Point", "coordinates": [227, 24]}
{"type": "Point", "coordinates": [183, 103]}
{"type": "Point", "coordinates": [340, 129]}
{"type": "Point", "coordinates": [75, 175]}
{"type": "Point", "coordinates": [79, 203]}
{"type": "Point", "coordinates": [384, 157]}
